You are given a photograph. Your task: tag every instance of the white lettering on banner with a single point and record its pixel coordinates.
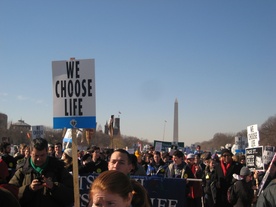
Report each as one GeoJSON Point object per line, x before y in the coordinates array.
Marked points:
{"type": "Point", "coordinates": [84, 199]}
{"type": "Point", "coordinates": [140, 181]}
{"type": "Point", "coordinates": [161, 202]}
{"type": "Point", "coordinates": [86, 181]}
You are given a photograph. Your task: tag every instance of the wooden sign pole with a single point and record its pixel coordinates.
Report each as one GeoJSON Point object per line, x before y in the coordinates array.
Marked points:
{"type": "Point", "coordinates": [75, 168]}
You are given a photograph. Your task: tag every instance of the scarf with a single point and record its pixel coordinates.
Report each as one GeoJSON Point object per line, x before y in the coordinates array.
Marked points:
{"type": "Point", "coordinates": [225, 167]}
{"type": "Point", "coordinates": [39, 169]}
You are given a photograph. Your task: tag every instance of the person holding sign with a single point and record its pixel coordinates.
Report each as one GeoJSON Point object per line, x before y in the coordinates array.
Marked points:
{"type": "Point", "coordinates": [42, 180]}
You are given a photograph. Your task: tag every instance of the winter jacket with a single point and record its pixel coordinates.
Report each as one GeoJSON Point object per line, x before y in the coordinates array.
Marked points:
{"type": "Point", "coordinates": [244, 193]}
{"type": "Point", "coordinates": [222, 182]}
{"type": "Point", "coordinates": [267, 197]}
{"type": "Point", "coordinates": [61, 195]}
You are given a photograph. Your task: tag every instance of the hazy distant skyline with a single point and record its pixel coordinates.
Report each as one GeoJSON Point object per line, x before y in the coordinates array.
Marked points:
{"type": "Point", "coordinates": [217, 58]}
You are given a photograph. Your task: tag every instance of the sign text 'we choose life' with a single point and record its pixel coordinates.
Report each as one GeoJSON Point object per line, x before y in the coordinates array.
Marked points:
{"type": "Point", "coordinates": [74, 99]}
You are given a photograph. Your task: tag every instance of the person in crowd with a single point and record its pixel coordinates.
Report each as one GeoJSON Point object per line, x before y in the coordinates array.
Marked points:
{"type": "Point", "coordinates": [20, 154]}
{"type": "Point", "coordinates": [26, 153]}
{"type": "Point", "coordinates": [146, 160]}
{"type": "Point", "coordinates": [116, 189]}
{"type": "Point", "coordinates": [7, 198]}
{"type": "Point", "coordinates": [151, 149]}
{"type": "Point", "coordinates": [67, 159]}
{"type": "Point", "coordinates": [86, 159]}
{"type": "Point", "coordinates": [223, 177]}
{"type": "Point", "coordinates": [86, 165]}
{"type": "Point", "coordinates": [157, 166]}
{"type": "Point", "coordinates": [120, 160]}
{"type": "Point", "coordinates": [244, 188]}
{"type": "Point", "coordinates": [206, 180]}
{"type": "Point", "coordinates": [267, 197]}
{"type": "Point", "coordinates": [100, 164]}
{"type": "Point", "coordinates": [136, 169]}
{"type": "Point", "coordinates": [194, 197]}
{"type": "Point", "coordinates": [51, 150]}
{"type": "Point", "coordinates": [236, 158]}
{"type": "Point", "coordinates": [139, 155]}
{"type": "Point", "coordinates": [8, 192]}
{"type": "Point", "coordinates": [4, 171]}
{"type": "Point", "coordinates": [242, 160]}
{"type": "Point", "coordinates": [198, 150]}
{"type": "Point", "coordinates": [42, 180]}
{"type": "Point", "coordinates": [270, 175]}
{"type": "Point", "coordinates": [8, 159]}
{"type": "Point", "coordinates": [166, 158]}
{"type": "Point", "coordinates": [58, 150]}
{"type": "Point", "coordinates": [216, 158]}
{"type": "Point", "coordinates": [179, 169]}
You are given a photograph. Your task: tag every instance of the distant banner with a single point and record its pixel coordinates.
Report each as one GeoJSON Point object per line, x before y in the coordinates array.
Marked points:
{"type": "Point", "coordinates": [164, 146]}
{"type": "Point", "coordinates": [162, 191]}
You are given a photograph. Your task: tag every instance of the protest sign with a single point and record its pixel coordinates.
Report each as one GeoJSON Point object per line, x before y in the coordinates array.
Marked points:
{"type": "Point", "coordinates": [254, 158]}
{"type": "Point", "coordinates": [74, 97]}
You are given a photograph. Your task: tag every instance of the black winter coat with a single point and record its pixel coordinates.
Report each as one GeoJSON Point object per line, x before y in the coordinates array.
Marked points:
{"type": "Point", "coordinates": [244, 193]}
{"type": "Point", "coordinates": [223, 182]}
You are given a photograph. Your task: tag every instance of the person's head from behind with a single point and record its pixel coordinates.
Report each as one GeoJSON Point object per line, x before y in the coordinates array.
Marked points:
{"type": "Point", "coordinates": [39, 151]}
{"type": "Point", "coordinates": [111, 188]}
{"type": "Point", "coordinates": [120, 160]}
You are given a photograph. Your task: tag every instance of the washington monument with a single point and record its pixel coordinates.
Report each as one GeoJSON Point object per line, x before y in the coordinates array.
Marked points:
{"type": "Point", "coordinates": [175, 123]}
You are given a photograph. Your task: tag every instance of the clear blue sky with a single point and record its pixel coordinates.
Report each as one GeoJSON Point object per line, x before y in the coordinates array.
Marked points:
{"type": "Point", "coordinates": [218, 58]}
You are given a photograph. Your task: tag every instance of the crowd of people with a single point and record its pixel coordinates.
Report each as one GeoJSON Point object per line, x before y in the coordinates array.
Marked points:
{"type": "Point", "coordinates": [40, 174]}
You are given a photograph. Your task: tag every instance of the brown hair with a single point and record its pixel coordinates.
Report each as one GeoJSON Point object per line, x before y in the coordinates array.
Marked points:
{"type": "Point", "coordinates": [114, 182]}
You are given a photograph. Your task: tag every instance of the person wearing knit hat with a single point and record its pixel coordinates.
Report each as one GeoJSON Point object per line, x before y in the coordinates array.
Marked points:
{"type": "Point", "coordinates": [223, 151]}
{"type": "Point", "coordinates": [68, 151]}
{"type": "Point", "coordinates": [67, 159]}
{"type": "Point", "coordinates": [245, 171]}
{"type": "Point", "coordinates": [244, 188]}
{"type": "Point", "coordinates": [190, 156]}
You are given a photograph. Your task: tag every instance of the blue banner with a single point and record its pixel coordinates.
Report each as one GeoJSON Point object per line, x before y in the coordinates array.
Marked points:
{"type": "Point", "coordinates": [163, 192]}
